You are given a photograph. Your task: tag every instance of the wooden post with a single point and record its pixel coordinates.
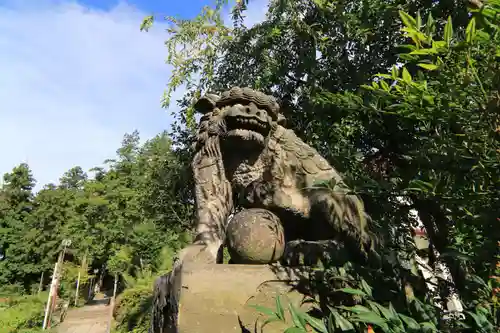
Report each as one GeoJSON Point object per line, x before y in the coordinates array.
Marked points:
{"type": "Point", "coordinates": [79, 274]}
{"type": "Point", "coordinates": [40, 286]}
{"type": "Point", "coordinates": [77, 288]}
{"type": "Point", "coordinates": [90, 288]}
{"type": "Point", "coordinates": [53, 286]}
{"type": "Point", "coordinates": [115, 287]}
{"type": "Point", "coordinates": [51, 292]}
{"type": "Point", "coordinates": [112, 305]}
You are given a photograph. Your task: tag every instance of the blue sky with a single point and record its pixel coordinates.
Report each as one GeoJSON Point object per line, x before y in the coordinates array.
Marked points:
{"type": "Point", "coordinates": [185, 9]}
{"type": "Point", "coordinates": [78, 74]}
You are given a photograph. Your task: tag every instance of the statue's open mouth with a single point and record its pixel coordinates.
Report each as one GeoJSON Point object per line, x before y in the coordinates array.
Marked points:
{"type": "Point", "coordinates": [247, 128]}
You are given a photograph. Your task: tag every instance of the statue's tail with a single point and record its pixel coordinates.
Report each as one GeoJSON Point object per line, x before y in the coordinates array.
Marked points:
{"type": "Point", "coordinates": [165, 303]}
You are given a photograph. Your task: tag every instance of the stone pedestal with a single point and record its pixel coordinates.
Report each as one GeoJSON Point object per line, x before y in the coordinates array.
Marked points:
{"type": "Point", "coordinates": [215, 298]}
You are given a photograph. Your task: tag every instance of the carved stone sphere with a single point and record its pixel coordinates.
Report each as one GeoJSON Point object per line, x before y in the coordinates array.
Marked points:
{"type": "Point", "coordinates": [255, 236]}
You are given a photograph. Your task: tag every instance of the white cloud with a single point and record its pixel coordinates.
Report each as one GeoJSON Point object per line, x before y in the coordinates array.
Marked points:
{"type": "Point", "coordinates": [73, 80]}
{"type": "Point", "coordinates": [256, 12]}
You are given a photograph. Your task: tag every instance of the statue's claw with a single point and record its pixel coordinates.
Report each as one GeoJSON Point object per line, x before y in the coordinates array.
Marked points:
{"type": "Point", "coordinates": [199, 253]}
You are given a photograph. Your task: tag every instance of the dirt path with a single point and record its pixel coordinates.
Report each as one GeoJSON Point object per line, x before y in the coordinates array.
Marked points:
{"type": "Point", "coordinates": [92, 318]}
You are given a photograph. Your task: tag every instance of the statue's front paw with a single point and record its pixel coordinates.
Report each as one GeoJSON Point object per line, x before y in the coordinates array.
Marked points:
{"type": "Point", "coordinates": [197, 253]}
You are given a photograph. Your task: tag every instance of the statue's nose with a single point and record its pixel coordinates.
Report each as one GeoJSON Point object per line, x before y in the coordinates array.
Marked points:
{"type": "Point", "coordinates": [252, 110]}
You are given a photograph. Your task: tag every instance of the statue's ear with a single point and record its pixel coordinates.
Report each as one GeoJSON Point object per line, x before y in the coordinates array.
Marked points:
{"type": "Point", "coordinates": [281, 120]}
{"type": "Point", "coordinates": [206, 103]}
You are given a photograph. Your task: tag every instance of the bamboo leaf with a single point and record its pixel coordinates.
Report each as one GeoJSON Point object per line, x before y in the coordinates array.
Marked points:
{"type": "Point", "coordinates": [428, 326]}
{"type": "Point", "coordinates": [280, 311]}
{"type": "Point", "coordinates": [341, 322]}
{"type": "Point", "coordinates": [352, 291]}
{"type": "Point", "coordinates": [430, 25]}
{"type": "Point", "coordinates": [295, 330]}
{"type": "Point", "coordinates": [385, 76]}
{"type": "Point", "coordinates": [383, 310]}
{"type": "Point", "coordinates": [384, 85]}
{"type": "Point", "coordinates": [430, 67]}
{"type": "Point", "coordinates": [270, 320]}
{"type": "Point", "coordinates": [394, 72]}
{"type": "Point", "coordinates": [370, 318]}
{"type": "Point", "coordinates": [410, 322]}
{"type": "Point", "coordinates": [406, 76]}
{"type": "Point", "coordinates": [408, 21]}
{"type": "Point", "coordinates": [356, 308]}
{"type": "Point", "coordinates": [366, 287]}
{"type": "Point", "coordinates": [297, 319]}
{"type": "Point", "coordinates": [448, 31]}
{"type": "Point", "coordinates": [316, 323]}
{"type": "Point", "coordinates": [263, 310]}
{"type": "Point", "coordinates": [470, 31]}
{"type": "Point", "coordinates": [424, 51]}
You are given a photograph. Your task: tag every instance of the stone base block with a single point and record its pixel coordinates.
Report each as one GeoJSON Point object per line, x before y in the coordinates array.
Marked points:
{"type": "Point", "coordinates": [215, 298]}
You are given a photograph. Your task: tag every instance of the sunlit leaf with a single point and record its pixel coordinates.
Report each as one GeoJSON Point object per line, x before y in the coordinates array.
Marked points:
{"type": "Point", "coordinates": [424, 51]}
{"type": "Point", "coordinates": [263, 309]}
{"type": "Point", "coordinates": [430, 67]}
{"type": "Point", "coordinates": [406, 76]}
{"type": "Point", "coordinates": [295, 330]}
{"type": "Point", "coordinates": [297, 319]}
{"type": "Point", "coordinates": [408, 20]}
{"type": "Point", "coordinates": [470, 31]}
{"type": "Point", "coordinates": [280, 311]}
{"type": "Point", "coordinates": [356, 308]}
{"type": "Point", "coordinates": [448, 31]}
{"type": "Point", "coordinates": [430, 25]}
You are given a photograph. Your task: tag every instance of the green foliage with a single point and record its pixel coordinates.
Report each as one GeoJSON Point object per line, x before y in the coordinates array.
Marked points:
{"type": "Point", "coordinates": [133, 308]}
{"type": "Point", "coordinates": [22, 313]}
{"type": "Point", "coordinates": [119, 220]}
{"type": "Point", "coordinates": [402, 97]}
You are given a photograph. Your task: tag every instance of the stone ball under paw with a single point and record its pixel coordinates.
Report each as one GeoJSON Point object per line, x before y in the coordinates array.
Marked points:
{"type": "Point", "coordinates": [255, 236]}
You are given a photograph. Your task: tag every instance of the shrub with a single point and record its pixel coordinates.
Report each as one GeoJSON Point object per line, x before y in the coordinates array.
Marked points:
{"type": "Point", "coordinates": [133, 306]}
{"type": "Point", "coordinates": [23, 314]}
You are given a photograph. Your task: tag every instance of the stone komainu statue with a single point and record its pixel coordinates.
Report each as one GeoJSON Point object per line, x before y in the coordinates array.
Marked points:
{"type": "Point", "coordinates": [246, 158]}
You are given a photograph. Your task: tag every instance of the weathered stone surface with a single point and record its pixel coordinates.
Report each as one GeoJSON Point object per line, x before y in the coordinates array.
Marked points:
{"type": "Point", "coordinates": [255, 236]}
{"type": "Point", "coordinates": [216, 298]}
{"type": "Point", "coordinates": [246, 158]}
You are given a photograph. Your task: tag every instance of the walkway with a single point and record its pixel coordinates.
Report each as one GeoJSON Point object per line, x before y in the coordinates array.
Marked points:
{"type": "Point", "coordinates": [92, 318]}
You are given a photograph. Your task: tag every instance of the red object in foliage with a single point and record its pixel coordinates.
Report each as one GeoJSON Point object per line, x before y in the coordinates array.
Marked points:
{"type": "Point", "coordinates": [420, 232]}
{"type": "Point", "coordinates": [370, 329]}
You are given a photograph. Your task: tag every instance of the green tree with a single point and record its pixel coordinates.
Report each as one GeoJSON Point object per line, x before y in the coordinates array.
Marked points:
{"type": "Point", "coordinates": [15, 209]}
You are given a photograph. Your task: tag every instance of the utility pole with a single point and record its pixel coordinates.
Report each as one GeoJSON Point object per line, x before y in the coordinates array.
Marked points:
{"type": "Point", "coordinates": [83, 266]}
{"type": "Point", "coordinates": [54, 284]}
